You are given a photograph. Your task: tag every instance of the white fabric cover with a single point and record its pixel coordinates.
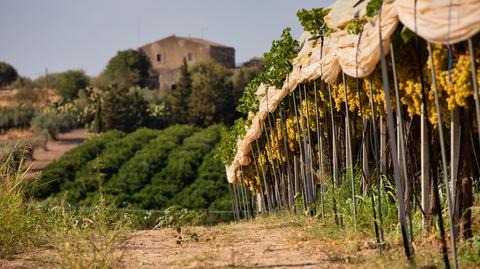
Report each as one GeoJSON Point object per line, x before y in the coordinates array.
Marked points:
{"type": "Point", "coordinates": [436, 22]}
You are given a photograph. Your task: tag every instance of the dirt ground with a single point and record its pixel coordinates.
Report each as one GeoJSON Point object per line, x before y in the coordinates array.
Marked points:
{"type": "Point", "coordinates": [55, 149]}
{"type": "Point", "coordinates": [272, 242]}
{"type": "Point", "coordinates": [264, 243]}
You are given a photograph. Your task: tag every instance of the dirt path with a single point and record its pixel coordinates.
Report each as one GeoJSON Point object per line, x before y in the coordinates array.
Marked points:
{"type": "Point", "coordinates": [55, 149]}
{"type": "Point", "coordinates": [244, 244]}
{"type": "Point", "coordinates": [267, 243]}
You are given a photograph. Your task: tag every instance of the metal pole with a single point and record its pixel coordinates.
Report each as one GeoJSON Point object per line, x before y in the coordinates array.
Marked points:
{"type": "Point", "coordinates": [444, 159]}
{"type": "Point", "coordinates": [393, 146]}
{"type": "Point", "coordinates": [349, 160]}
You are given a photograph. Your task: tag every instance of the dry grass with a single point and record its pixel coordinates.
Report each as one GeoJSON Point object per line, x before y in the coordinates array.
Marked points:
{"type": "Point", "coordinates": [33, 235]}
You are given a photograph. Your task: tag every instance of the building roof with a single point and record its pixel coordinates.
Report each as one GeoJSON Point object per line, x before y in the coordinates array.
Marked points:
{"type": "Point", "coordinates": [192, 39]}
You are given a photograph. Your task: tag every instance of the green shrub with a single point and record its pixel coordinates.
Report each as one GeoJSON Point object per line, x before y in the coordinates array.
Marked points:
{"type": "Point", "coordinates": [470, 252]}
{"type": "Point", "coordinates": [127, 69]}
{"type": "Point", "coordinates": [107, 163]}
{"type": "Point", "coordinates": [8, 74]}
{"type": "Point", "coordinates": [139, 170]}
{"type": "Point", "coordinates": [122, 110]}
{"type": "Point", "coordinates": [50, 123]}
{"type": "Point", "coordinates": [209, 186]}
{"type": "Point", "coordinates": [71, 82]}
{"type": "Point", "coordinates": [16, 117]}
{"type": "Point", "coordinates": [26, 95]}
{"type": "Point", "coordinates": [55, 175]}
{"type": "Point", "coordinates": [181, 169]}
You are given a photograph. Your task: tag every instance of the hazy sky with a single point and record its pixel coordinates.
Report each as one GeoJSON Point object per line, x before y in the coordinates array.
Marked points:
{"type": "Point", "coordinates": [63, 34]}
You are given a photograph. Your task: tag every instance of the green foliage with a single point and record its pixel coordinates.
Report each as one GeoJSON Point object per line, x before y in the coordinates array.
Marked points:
{"type": "Point", "coordinates": [146, 169]}
{"type": "Point", "coordinates": [249, 101]}
{"type": "Point", "coordinates": [106, 164]}
{"type": "Point", "coordinates": [180, 170]}
{"type": "Point", "coordinates": [354, 27]}
{"type": "Point", "coordinates": [242, 77]}
{"type": "Point", "coordinates": [58, 118]}
{"type": "Point", "coordinates": [177, 218]}
{"type": "Point", "coordinates": [211, 100]}
{"type": "Point", "coordinates": [278, 61]}
{"type": "Point", "coordinates": [8, 74]}
{"type": "Point", "coordinates": [55, 175]}
{"type": "Point", "coordinates": [313, 20]}
{"type": "Point", "coordinates": [26, 95]}
{"type": "Point", "coordinates": [20, 224]}
{"type": "Point", "coordinates": [127, 69]}
{"type": "Point", "coordinates": [277, 65]}
{"type": "Point", "coordinates": [90, 237]}
{"type": "Point", "coordinates": [138, 171]}
{"type": "Point", "coordinates": [209, 186]}
{"type": "Point", "coordinates": [180, 96]}
{"type": "Point", "coordinates": [122, 110]}
{"type": "Point", "coordinates": [51, 122]}
{"type": "Point", "coordinates": [71, 82]}
{"type": "Point", "coordinates": [16, 117]}
{"type": "Point", "coordinates": [24, 83]}
{"type": "Point", "coordinates": [78, 238]}
{"type": "Point", "coordinates": [228, 145]}
{"type": "Point", "coordinates": [470, 252]}
{"type": "Point", "coordinates": [373, 7]}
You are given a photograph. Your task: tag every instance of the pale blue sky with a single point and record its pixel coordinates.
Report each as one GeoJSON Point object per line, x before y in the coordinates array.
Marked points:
{"type": "Point", "coordinates": [84, 34]}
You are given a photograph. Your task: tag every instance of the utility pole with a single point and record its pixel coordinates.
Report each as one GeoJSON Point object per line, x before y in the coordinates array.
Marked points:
{"type": "Point", "coordinates": [46, 83]}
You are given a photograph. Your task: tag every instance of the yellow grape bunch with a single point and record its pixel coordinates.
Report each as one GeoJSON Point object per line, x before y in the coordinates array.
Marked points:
{"type": "Point", "coordinates": [251, 179]}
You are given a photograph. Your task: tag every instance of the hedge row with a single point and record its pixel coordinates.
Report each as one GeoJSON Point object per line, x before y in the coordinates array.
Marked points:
{"type": "Point", "coordinates": [139, 170]}
{"type": "Point", "coordinates": [208, 188]}
{"type": "Point", "coordinates": [55, 175]}
{"type": "Point", "coordinates": [100, 169]}
{"type": "Point", "coordinates": [180, 171]}
{"type": "Point", "coordinates": [147, 169]}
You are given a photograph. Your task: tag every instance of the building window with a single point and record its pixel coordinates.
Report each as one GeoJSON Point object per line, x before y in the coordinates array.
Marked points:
{"type": "Point", "coordinates": [190, 56]}
{"type": "Point", "coordinates": [159, 58]}
{"type": "Point", "coordinates": [174, 87]}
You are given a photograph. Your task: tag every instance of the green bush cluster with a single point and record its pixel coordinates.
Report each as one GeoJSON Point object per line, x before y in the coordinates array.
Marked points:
{"type": "Point", "coordinates": [16, 117]}
{"type": "Point", "coordinates": [50, 123]}
{"type": "Point", "coordinates": [57, 174]}
{"type": "Point", "coordinates": [106, 164]}
{"type": "Point", "coordinates": [139, 170]}
{"type": "Point", "coordinates": [181, 169]}
{"type": "Point", "coordinates": [58, 118]}
{"type": "Point", "coordinates": [209, 190]}
{"type": "Point", "coordinates": [149, 169]}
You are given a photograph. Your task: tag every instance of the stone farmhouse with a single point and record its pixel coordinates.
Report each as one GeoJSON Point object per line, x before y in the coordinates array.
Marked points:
{"type": "Point", "coordinates": [166, 56]}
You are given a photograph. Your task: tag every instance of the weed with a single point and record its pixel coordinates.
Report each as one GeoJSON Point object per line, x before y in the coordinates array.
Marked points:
{"type": "Point", "coordinates": [21, 225]}
{"type": "Point", "coordinates": [178, 219]}
{"type": "Point", "coordinates": [89, 237]}
{"type": "Point", "coordinates": [470, 251]}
